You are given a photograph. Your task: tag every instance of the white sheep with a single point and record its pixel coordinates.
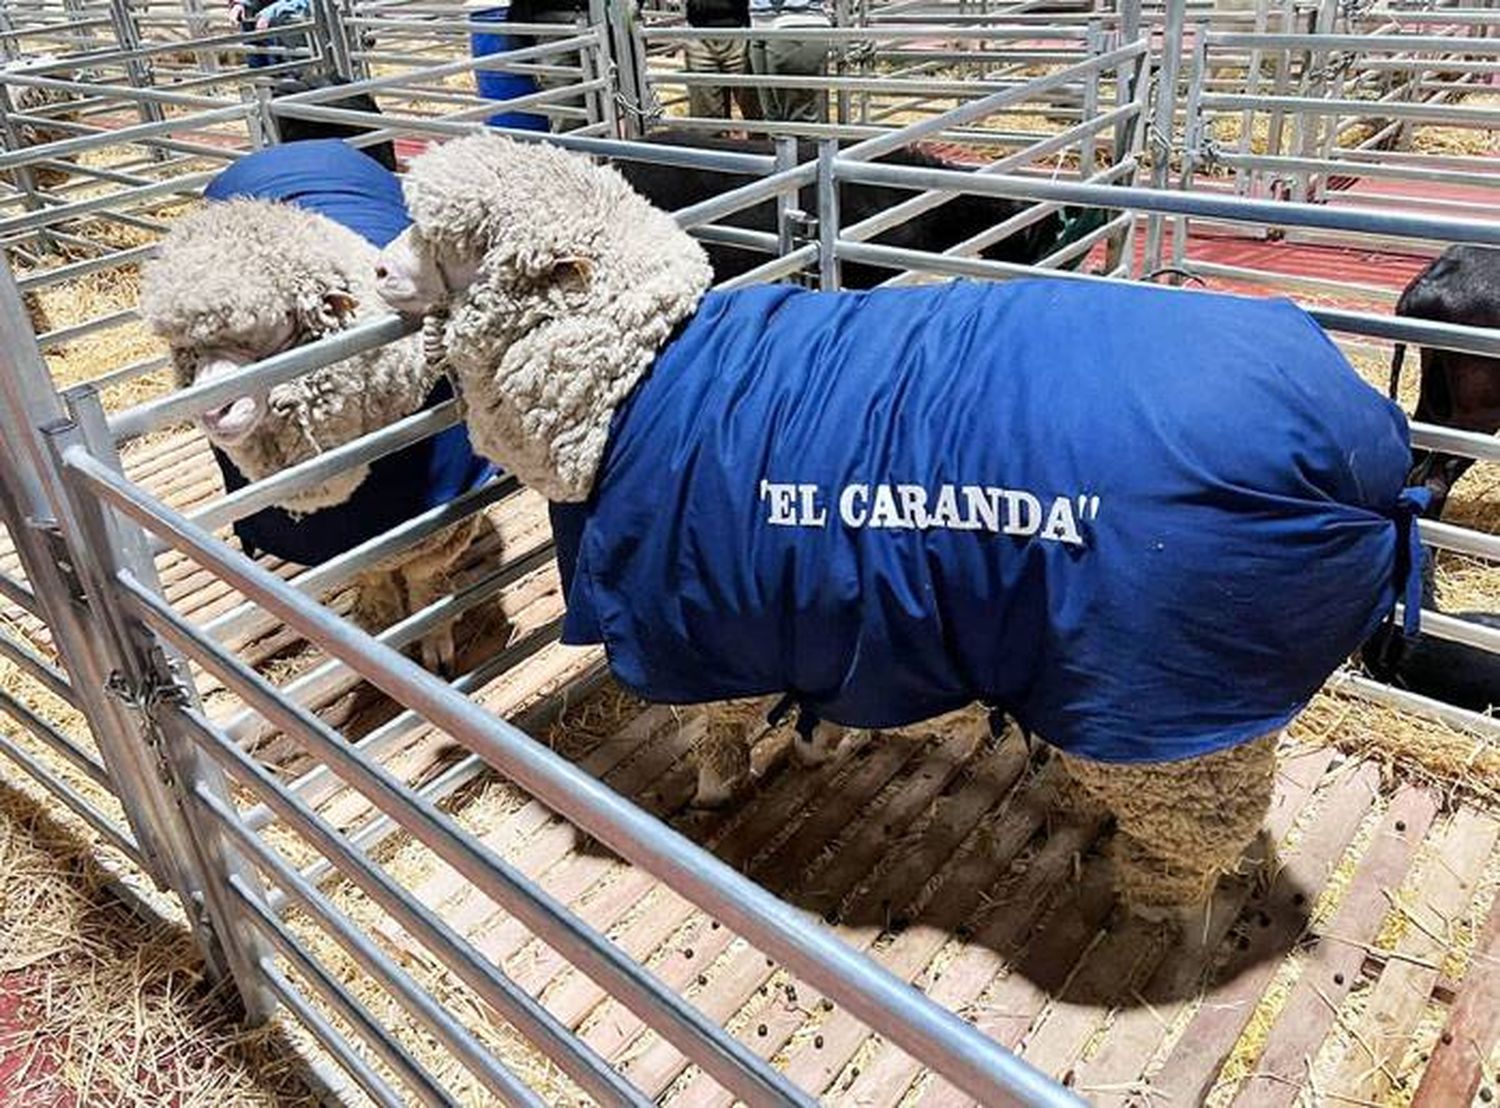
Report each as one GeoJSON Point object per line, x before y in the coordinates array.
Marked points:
{"type": "Point", "coordinates": [1146, 523]}
{"type": "Point", "coordinates": [240, 280]}
{"type": "Point", "coordinates": [40, 103]}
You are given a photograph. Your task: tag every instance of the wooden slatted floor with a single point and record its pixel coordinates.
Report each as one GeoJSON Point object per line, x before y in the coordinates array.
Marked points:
{"type": "Point", "coordinates": [941, 853]}
{"type": "Point", "coordinates": [1333, 971]}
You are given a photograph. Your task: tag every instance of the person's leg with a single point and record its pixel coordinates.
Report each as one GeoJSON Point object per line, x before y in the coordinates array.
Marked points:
{"type": "Point", "coordinates": [798, 58]}
{"type": "Point", "coordinates": [707, 101]}
{"type": "Point", "coordinates": [572, 59]}
{"type": "Point", "coordinates": [737, 61]}
{"type": "Point", "coordinates": [758, 63]}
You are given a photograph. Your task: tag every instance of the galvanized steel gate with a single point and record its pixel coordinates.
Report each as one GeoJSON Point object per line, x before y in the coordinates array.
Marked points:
{"type": "Point", "coordinates": [194, 805]}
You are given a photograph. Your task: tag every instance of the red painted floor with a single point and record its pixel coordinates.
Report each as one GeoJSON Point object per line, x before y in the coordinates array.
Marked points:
{"type": "Point", "coordinates": [24, 1070]}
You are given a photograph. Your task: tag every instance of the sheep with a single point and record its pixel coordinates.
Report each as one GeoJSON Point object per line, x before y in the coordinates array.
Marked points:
{"type": "Point", "coordinates": [31, 100]}
{"type": "Point", "coordinates": [246, 277]}
{"type": "Point", "coordinates": [1048, 497]}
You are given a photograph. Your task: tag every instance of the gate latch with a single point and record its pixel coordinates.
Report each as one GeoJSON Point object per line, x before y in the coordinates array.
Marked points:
{"type": "Point", "coordinates": [62, 557]}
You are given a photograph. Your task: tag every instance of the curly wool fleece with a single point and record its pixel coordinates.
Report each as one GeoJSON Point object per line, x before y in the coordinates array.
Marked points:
{"type": "Point", "coordinates": [234, 271]}
{"type": "Point", "coordinates": [579, 285]}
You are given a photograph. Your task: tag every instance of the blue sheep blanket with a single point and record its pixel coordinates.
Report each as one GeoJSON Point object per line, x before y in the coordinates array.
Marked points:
{"type": "Point", "coordinates": [1146, 523]}
{"type": "Point", "coordinates": [335, 180]}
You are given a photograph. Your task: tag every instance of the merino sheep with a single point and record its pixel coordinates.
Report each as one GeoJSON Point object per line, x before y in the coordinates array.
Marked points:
{"type": "Point", "coordinates": [1146, 523]}
{"type": "Point", "coordinates": [39, 104]}
{"type": "Point", "coordinates": [246, 277]}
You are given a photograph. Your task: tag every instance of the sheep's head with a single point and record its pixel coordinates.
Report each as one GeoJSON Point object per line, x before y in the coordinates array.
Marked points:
{"type": "Point", "coordinates": [414, 278]}
{"type": "Point", "coordinates": [559, 284]}
{"type": "Point", "coordinates": [237, 282]}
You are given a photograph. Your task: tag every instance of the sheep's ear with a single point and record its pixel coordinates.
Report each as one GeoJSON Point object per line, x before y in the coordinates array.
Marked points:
{"type": "Point", "coordinates": [338, 308]}
{"type": "Point", "coordinates": [569, 273]}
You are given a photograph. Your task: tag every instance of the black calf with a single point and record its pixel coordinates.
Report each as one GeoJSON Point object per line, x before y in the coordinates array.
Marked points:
{"type": "Point", "coordinates": [1458, 390]}
{"type": "Point", "coordinates": [302, 130]}
{"type": "Point", "coordinates": [1449, 671]}
{"type": "Point", "coordinates": [947, 225]}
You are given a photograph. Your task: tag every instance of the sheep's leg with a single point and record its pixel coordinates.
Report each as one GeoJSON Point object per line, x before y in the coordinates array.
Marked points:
{"type": "Point", "coordinates": [439, 654]}
{"type": "Point", "coordinates": [1181, 824]}
{"type": "Point", "coordinates": [817, 748]}
{"type": "Point", "coordinates": [428, 573]}
{"type": "Point", "coordinates": [724, 754]}
{"type": "Point", "coordinates": [379, 600]}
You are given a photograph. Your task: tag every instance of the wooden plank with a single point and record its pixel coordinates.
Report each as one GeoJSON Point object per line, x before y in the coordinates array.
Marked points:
{"type": "Point", "coordinates": [1333, 968]}
{"type": "Point", "coordinates": [1013, 1004]}
{"type": "Point", "coordinates": [577, 873]}
{"type": "Point", "coordinates": [817, 890]}
{"type": "Point", "coordinates": [449, 892]}
{"type": "Point", "coordinates": [1456, 1068]}
{"type": "Point", "coordinates": [559, 836]}
{"type": "Point", "coordinates": [885, 1077]}
{"type": "Point", "coordinates": [1195, 1060]}
{"type": "Point", "coordinates": [856, 776]}
{"type": "Point", "coordinates": [518, 693]}
{"type": "Point", "coordinates": [1113, 970]}
{"type": "Point", "coordinates": [879, 835]}
{"type": "Point", "coordinates": [1396, 1002]}
{"type": "Point", "coordinates": [1137, 1031]}
{"type": "Point", "coordinates": [1108, 977]}
{"type": "Point", "coordinates": [1002, 940]}
{"type": "Point", "coordinates": [602, 890]}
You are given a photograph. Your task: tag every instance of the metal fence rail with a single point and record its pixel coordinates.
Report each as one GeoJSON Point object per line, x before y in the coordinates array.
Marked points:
{"type": "Point", "coordinates": [180, 789]}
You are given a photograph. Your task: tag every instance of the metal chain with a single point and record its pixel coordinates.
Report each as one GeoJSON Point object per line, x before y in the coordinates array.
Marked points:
{"type": "Point", "coordinates": [147, 696]}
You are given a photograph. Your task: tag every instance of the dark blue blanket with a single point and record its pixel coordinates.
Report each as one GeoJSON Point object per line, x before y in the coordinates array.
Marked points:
{"type": "Point", "coordinates": [337, 181]}
{"type": "Point", "coordinates": [1147, 523]}
{"type": "Point", "coordinates": [326, 176]}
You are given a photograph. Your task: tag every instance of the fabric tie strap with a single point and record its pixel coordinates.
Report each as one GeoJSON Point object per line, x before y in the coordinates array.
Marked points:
{"type": "Point", "coordinates": [807, 718]}
{"type": "Point", "coordinates": [1411, 504]}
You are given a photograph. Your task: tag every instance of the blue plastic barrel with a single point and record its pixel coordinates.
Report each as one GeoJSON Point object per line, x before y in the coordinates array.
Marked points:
{"type": "Point", "coordinates": [495, 85]}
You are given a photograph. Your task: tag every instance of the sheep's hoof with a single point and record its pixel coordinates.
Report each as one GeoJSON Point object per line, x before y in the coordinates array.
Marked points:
{"type": "Point", "coordinates": [714, 791]}
{"type": "Point", "coordinates": [438, 653]}
{"type": "Point", "coordinates": [1178, 917]}
{"type": "Point", "coordinates": [817, 748]}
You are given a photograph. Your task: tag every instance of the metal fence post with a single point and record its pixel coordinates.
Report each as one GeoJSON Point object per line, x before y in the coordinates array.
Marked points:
{"type": "Point", "coordinates": [24, 179]}
{"type": "Point", "coordinates": [788, 210]}
{"type": "Point", "coordinates": [264, 130]}
{"type": "Point", "coordinates": [1192, 135]}
{"type": "Point", "coordinates": [624, 54]}
{"type": "Point", "coordinates": [332, 39]}
{"type": "Point", "coordinates": [1166, 118]}
{"type": "Point", "coordinates": [31, 487]}
{"type": "Point", "coordinates": [39, 507]}
{"type": "Point", "coordinates": [10, 48]}
{"type": "Point", "coordinates": [138, 72]}
{"type": "Point", "coordinates": [150, 677]}
{"type": "Point", "coordinates": [828, 216]}
{"type": "Point", "coordinates": [200, 25]}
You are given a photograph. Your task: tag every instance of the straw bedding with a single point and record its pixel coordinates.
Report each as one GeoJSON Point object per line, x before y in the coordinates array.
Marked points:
{"type": "Point", "coordinates": [119, 1010]}
{"type": "Point", "coordinates": [110, 1007]}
